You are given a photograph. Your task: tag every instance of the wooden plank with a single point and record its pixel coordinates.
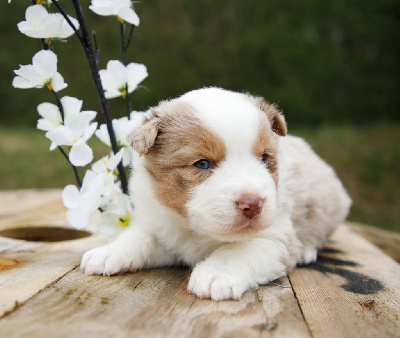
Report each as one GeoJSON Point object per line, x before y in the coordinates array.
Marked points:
{"type": "Point", "coordinates": [153, 303]}
{"type": "Point", "coordinates": [387, 241]}
{"type": "Point", "coordinates": [38, 266]}
{"type": "Point", "coordinates": [352, 290]}
{"type": "Point", "coordinates": [31, 207]}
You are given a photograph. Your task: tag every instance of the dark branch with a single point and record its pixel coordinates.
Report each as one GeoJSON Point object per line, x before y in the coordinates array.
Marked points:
{"type": "Point", "coordinates": [73, 167]}
{"type": "Point", "coordinates": [96, 48]}
{"type": "Point", "coordinates": [130, 37]}
{"type": "Point", "coordinates": [122, 25]}
{"type": "Point", "coordinates": [59, 104]}
{"type": "Point", "coordinates": [99, 88]}
{"type": "Point", "coordinates": [128, 102]}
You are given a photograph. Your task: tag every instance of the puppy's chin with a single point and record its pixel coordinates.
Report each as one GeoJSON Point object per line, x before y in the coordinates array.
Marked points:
{"type": "Point", "coordinates": [239, 229]}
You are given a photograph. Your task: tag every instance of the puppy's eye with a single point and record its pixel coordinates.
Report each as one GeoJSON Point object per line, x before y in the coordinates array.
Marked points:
{"type": "Point", "coordinates": [264, 158]}
{"type": "Point", "coordinates": [202, 164]}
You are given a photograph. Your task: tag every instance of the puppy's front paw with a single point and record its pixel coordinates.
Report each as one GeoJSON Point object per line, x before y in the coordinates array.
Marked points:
{"type": "Point", "coordinates": [207, 281]}
{"type": "Point", "coordinates": [107, 260]}
{"type": "Point", "coordinates": [307, 256]}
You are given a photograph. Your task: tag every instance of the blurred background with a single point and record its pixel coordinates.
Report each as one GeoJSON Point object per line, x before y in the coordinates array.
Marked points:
{"type": "Point", "coordinates": [332, 67]}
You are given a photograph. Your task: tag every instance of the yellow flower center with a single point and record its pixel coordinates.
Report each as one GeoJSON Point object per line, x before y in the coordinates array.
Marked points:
{"type": "Point", "coordinates": [124, 221]}
{"type": "Point", "coordinates": [39, 2]}
{"type": "Point", "coordinates": [123, 92]}
{"type": "Point", "coordinates": [49, 86]}
{"type": "Point", "coordinates": [47, 42]}
{"type": "Point", "coordinates": [120, 19]}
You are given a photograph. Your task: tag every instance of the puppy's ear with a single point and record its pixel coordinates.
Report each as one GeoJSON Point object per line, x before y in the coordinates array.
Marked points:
{"type": "Point", "coordinates": [143, 137]}
{"type": "Point", "coordinates": [275, 117]}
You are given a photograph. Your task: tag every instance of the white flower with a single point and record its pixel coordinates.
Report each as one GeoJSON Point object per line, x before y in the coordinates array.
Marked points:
{"type": "Point", "coordinates": [51, 115]}
{"type": "Point", "coordinates": [106, 167]}
{"type": "Point", "coordinates": [43, 25]}
{"type": "Point", "coordinates": [121, 128]}
{"type": "Point", "coordinates": [121, 8]}
{"type": "Point", "coordinates": [83, 203]}
{"type": "Point", "coordinates": [42, 72]}
{"type": "Point", "coordinates": [116, 217]}
{"type": "Point", "coordinates": [75, 135]}
{"type": "Point", "coordinates": [93, 195]}
{"type": "Point", "coordinates": [117, 77]}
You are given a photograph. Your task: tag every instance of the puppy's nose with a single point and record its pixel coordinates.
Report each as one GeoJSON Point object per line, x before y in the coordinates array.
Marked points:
{"type": "Point", "coordinates": [249, 206]}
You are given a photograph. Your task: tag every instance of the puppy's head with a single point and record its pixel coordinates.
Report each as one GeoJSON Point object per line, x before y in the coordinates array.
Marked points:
{"type": "Point", "coordinates": [212, 156]}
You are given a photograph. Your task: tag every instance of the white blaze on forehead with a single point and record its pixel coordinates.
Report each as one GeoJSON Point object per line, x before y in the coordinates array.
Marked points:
{"type": "Point", "coordinates": [228, 114]}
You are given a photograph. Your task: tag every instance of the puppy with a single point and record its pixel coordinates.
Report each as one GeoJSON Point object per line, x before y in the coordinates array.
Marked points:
{"type": "Point", "coordinates": [218, 186]}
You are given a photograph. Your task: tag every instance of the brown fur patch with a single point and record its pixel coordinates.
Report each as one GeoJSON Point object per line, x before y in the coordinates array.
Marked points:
{"type": "Point", "coordinates": [266, 143]}
{"type": "Point", "coordinates": [143, 137]}
{"type": "Point", "coordinates": [275, 117]}
{"type": "Point", "coordinates": [182, 140]}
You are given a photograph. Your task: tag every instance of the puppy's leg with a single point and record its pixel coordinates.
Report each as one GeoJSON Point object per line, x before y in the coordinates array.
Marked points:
{"type": "Point", "coordinates": [236, 267]}
{"type": "Point", "coordinates": [308, 255]}
{"type": "Point", "coordinates": [134, 249]}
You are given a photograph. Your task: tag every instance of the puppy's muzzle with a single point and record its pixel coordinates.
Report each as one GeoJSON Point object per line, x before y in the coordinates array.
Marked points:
{"type": "Point", "coordinates": [249, 206]}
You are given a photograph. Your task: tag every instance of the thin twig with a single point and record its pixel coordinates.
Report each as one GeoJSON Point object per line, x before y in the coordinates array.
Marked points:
{"type": "Point", "coordinates": [130, 37]}
{"type": "Point", "coordinates": [122, 26]}
{"type": "Point", "coordinates": [59, 104]}
{"type": "Point", "coordinates": [96, 48]}
{"type": "Point", "coordinates": [45, 45]}
{"type": "Point", "coordinates": [73, 167]}
{"type": "Point", "coordinates": [61, 108]}
{"type": "Point", "coordinates": [128, 102]}
{"type": "Point", "coordinates": [281, 286]}
{"type": "Point", "coordinates": [124, 48]}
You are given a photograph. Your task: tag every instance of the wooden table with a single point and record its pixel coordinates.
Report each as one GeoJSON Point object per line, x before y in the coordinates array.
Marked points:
{"type": "Point", "coordinates": [352, 291]}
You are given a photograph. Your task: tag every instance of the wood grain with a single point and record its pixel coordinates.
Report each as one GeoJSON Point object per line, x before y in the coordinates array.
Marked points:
{"type": "Point", "coordinates": [39, 266]}
{"type": "Point", "coordinates": [354, 288]}
{"type": "Point", "coordinates": [153, 303]}
{"type": "Point", "coordinates": [387, 241]}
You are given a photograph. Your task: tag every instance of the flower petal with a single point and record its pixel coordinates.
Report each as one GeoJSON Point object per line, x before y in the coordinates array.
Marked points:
{"type": "Point", "coordinates": [71, 196]}
{"type": "Point", "coordinates": [46, 61]}
{"type": "Point", "coordinates": [53, 146]}
{"type": "Point", "coordinates": [61, 136]}
{"type": "Point", "coordinates": [58, 82]}
{"type": "Point", "coordinates": [115, 159]}
{"type": "Point", "coordinates": [50, 112]}
{"type": "Point", "coordinates": [77, 218]}
{"type": "Point", "coordinates": [106, 226]}
{"type": "Point", "coordinates": [43, 124]}
{"type": "Point", "coordinates": [22, 83]}
{"type": "Point", "coordinates": [137, 72]}
{"type": "Point", "coordinates": [127, 157]}
{"type": "Point", "coordinates": [27, 29]}
{"type": "Point", "coordinates": [101, 7]}
{"type": "Point", "coordinates": [66, 29]}
{"type": "Point", "coordinates": [129, 15]}
{"type": "Point", "coordinates": [72, 106]}
{"type": "Point", "coordinates": [31, 74]}
{"type": "Point", "coordinates": [35, 13]}
{"type": "Point", "coordinates": [80, 154]}
{"type": "Point", "coordinates": [103, 135]}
